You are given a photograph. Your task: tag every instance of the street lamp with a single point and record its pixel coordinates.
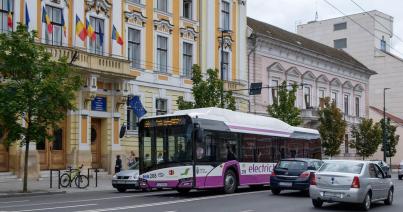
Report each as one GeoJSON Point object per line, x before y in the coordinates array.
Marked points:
{"type": "Point", "coordinates": [384, 124]}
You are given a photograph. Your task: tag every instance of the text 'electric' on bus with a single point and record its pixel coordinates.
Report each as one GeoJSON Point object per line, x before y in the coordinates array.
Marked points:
{"type": "Point", "coordinates": [212, 148]}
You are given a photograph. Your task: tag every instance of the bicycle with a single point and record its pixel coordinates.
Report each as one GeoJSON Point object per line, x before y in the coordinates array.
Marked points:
{"type": "Point", "coordinates": [75, 175]}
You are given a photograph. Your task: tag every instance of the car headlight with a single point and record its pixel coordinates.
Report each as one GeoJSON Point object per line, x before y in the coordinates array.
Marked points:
{"type": "Point", "coordinates": [135, 177]}
{"type": "Point", "coordinates": [114, 176]}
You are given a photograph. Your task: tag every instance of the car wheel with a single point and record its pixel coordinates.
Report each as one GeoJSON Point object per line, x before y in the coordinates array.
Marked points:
{"type": "Point", "coordinates": [275, 191]}
{"type": "Point", "coordinates": [122, 190]}
{"type": "Point", "coordinates": [317, 203]}
{"type": "Point", "coordinates": [389, 200]}
{"type": "Point", "coordinates": [366, 204]}
{"type": "Point", "coordinates": [230, 183]}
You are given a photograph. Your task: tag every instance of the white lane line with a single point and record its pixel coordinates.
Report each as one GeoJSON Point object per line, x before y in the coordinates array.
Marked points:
{"type": "Point", "coordinates": [248, 211]}
{"type": "Point", "coordinates": [42, 209]}
{"type": "Point", "coordinates": [169, 202]}
{"type": "Point", "coordinates": [76, 201]}
{"type": "Point", "coordinates": [14, 201]}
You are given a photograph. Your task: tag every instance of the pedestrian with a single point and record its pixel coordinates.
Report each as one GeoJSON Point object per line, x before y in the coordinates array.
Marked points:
{"type": "Point", "coordinates": [118, 164]}
{"type": "Point", "coordinates": [131, 159]}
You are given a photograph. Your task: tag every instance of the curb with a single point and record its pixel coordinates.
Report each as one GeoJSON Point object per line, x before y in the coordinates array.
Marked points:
{"type": "Point", "coordinates": [7, 195]}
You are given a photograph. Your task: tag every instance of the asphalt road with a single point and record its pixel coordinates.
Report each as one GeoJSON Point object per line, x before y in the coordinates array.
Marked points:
{"type": "Point", "coordinates": [246, 200]}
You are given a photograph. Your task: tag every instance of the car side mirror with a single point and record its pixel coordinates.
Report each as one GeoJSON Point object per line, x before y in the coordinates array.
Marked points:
{"type": "Point", "coordinates": [311, 168]}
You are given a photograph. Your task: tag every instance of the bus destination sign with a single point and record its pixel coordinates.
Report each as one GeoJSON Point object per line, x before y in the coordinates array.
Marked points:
{"type": "Point", "coordinates": [165, 121]}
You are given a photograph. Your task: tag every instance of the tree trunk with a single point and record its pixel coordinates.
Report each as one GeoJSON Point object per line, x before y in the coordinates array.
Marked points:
{"type": "Point", "coordinates": [25, 184]}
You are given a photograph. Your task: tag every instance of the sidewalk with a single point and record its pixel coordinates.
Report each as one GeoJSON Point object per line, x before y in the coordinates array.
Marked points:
{"type": "Point", "coordinates": [13, 187]}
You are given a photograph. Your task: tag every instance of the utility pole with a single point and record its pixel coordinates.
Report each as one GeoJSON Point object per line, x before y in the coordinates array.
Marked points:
{"type": "Point", "coordinates": [384, 124]}
{"type": "Point", "coordinates": [226, 31]}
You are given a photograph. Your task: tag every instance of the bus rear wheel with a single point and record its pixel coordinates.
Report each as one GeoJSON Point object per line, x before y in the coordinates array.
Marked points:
{"type": "Point", "coordinates": [230, 182]}
{"type": "Point", "coordinates": [183, 190]}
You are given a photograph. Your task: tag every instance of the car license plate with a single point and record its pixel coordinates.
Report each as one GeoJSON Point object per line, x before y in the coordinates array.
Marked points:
{"type": "Point", "coordinates": [119, 181]}
{"type": "Point", "coordinates": [285, 184]}
{"type": "Point", "coordinates": [162, 184]}
{"type": "Point", "coordinates": [331, 194]}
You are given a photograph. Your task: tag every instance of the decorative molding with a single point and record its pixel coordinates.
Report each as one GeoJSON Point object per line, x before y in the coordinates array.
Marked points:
{"type": "Point", "coordinates": [227, 42]}
{"type": "Point", "coordinates": [98, 6]}
{"type": "Point", "coordinates": [322, 79]}
{"type": "Point", "coordinates": [335, 82]}
{"type": "Point", "coordinates": [308, 76]}
{"type": "Point", "coordinates": [59, 1]}
{"type": "Point", "coordinates": [189, 33]}
{"type": "Point", "coordinates": [135, 17]}
{"type": "Point", "coordinates": [276, 67]}
{"type": "Point", "coordinates": [347, 85]}
{"type": "Point", "coordinates": [163, 26]}
{"type": "Point", "coordinates": [359, 88]}
{"type": "Point", "coordinates": [242, 2]}
{"type": "Point", "coordinates": [293, 72]}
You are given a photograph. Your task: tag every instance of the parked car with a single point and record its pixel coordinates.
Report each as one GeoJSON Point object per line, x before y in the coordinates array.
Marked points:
{"type": "Point", "coordinates": [350, 181]}
{"type": "Point", "coordinates": [400, 171]}
{"type": "Point", "coordinates": [293, 174]}
{"type": "Point", "coordinates": [127, 179]}
{"type": "Point", "coordinates": [384, 166]}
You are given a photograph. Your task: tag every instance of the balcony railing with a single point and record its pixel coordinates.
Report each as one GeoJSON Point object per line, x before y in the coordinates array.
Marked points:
{"type": "Point", "coordinates": [310, 113]}
{"type": "Point", "coordinates": [91, 62]}
{"type": "Point", "coordinates": [352, 119]}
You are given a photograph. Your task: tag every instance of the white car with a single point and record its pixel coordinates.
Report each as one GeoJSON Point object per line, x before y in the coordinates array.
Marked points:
{"type": "Point", "coordinates": [127, 179]}
{"type": "Point", "coordinates": [400, 172]}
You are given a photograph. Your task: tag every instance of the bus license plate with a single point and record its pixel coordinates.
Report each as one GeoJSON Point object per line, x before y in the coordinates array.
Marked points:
{"type": "Point", "coordinates": [162, 184]}
{"type": "Point", "coordinates": [285, 184]}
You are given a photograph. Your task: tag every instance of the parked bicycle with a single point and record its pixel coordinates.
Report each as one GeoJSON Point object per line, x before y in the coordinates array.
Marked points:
{"type": "Point", "coordinates": [75, 175]}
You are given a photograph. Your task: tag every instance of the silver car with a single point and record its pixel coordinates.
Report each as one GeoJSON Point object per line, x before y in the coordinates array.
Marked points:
{"type": "Point", "coordinates": [349, 181]}
{"type": "Point", "coordinates": [127, 179]}
{"type": "Point", "coordinates": [400, 171]}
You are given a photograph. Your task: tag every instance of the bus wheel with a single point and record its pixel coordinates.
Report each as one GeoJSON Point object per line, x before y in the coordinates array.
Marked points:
{"type": "Point", "coordinates": [230, 182]}
{"type": "Point", "coordinates": [183, 190]}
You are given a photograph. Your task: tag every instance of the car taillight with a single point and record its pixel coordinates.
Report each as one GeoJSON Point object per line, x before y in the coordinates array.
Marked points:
{"type": "Point", "coordinates": [273, 173]}
{"type": "Point", "coordinates": [312, 178]}
{"type": "Point", "coordinates": [356, 182]}
{"type": "Point", "coordinates": [304, 175]}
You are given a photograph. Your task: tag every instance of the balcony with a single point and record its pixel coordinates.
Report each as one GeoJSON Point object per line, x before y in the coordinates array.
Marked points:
{"type": "Point", "coordinates": [310, 117]}
{"type": "Point", "coordinates": [235, 85]}
{"type": "Point", "coordinates": [352, 119]}
{"type": "Point", "coordinates": [92, 63]}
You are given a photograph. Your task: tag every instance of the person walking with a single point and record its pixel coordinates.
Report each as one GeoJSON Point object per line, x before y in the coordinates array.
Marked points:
{"type": "Point", "coordinates": [118, 164]}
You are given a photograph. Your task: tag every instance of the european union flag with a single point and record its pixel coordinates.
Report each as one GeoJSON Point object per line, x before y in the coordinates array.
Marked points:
{"type": "Point", "coordinates": [135, 104]}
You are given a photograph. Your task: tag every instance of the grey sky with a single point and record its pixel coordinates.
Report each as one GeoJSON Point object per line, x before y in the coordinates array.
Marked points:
{"type": "Point", "coordinates": [287, 14]}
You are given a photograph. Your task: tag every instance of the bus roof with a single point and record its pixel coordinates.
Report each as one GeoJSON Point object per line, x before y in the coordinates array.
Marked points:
{"type": "Point", "coordinates": [248, 123]}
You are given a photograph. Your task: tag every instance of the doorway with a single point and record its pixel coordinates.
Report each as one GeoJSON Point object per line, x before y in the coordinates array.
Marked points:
{"type": "Point", "coordinates": [96, 142]}
{"type": "Point", "coordinates": [52, 153]}
{"type": "Point", "coordinates": [3, 158]}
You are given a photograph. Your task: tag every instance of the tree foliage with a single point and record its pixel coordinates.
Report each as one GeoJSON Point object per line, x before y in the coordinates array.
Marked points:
{"type": "Point", "coordinates": [367, 136]}
{"type": "Point", "coordinates": [332, 128]}
{"type": "Point", "coordinates": [38, 91]}
{"type": "Point", "coordinates": [283, 107]}
{"type": "Point", "coordinates": [391, 138]}
{"type": "Point", "coordinates": [207, 93]}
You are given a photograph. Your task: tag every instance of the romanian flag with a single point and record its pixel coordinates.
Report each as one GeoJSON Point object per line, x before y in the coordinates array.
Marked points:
{"type": "Point", "coordinates": [90, 31]}
{"type": "Point", "coordinates": [46, 19]}
{"type": "Point", "coordinates": [116, 36]}
{"type": "Point", "coordinates": [80, 29]}
{"type": "Point", "coordinates": [64, 25]}
{"type": "Point", "coordinates": [9, 15]}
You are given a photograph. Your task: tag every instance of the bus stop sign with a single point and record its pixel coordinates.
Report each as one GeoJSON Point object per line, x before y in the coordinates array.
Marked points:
{"type": "Point", "coordinates": [255, 88]}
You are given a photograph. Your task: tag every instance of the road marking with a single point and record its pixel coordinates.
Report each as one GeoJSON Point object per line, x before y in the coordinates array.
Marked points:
{"type": "Point", "coordinates": [14, 201]}
{"type": "Point", "coordinates": [71, 206]}
{"type": "Point", "coordinates": [75, 201]}
{"type": "Point", "coordinates": [248, 211]}
{"type": "Point", "coordinates": [169, 202]}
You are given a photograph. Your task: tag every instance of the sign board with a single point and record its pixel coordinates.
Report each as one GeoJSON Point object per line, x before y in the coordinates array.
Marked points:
{"type": "Point", "coordinates": [255, 88]}
{"type": "Point", "coordinates": [99, 104]}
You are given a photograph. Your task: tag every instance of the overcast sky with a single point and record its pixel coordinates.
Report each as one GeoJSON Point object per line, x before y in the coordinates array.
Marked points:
{"type": "Point", "coordinates": [287, 14]}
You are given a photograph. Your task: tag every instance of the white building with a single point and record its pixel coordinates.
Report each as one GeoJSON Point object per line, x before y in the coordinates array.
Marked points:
{"type": "Point", "coordinates": [367, 37]}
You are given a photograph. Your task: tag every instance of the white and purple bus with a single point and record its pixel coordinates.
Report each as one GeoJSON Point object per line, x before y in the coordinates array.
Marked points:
{"type": "Point", "coordinates": [212, 148]}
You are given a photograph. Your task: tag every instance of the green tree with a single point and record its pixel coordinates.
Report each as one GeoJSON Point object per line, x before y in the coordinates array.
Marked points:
{"type": "Point", "coordinates": [367, 136]}
{"type": "Point", "coordinates": [332, 128]}
{"type": "Point", "coordinates": [391, 138]}
{"type": "Point", "coordinates": [207, 93]}
{"type": "Point", "coordinates": [284, 108]}
{"type": "Point", "coordinates": [38, 91]}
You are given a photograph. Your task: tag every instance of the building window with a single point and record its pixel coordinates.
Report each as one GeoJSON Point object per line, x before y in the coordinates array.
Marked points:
{"type": "Point", "coordinates": [187, 9]}
{"type": "Point", "coordinates": [4, 11]}
{"type": "Point", "coordinates": [187, 59]}
{"type": "Point", "coordinates": [334, 97]}
{"type": "Point", "coordinates": [346, 104]}
{"type": "Point", "coordinates": [307, 97]}
{"type": "Point", "coordinates": [132, 118]}
{"type": "Point", "coordinates": [58, 142]}
{"type": "Point", "coordinates": [321, 98]}
{"type": "Point", "coordinates": [357, 106]}
{"type": "Point", "coordinates": [225, 66]}
{"type": "Point", "coordinates": [274, 89]}
{"type": "Point", "coordinates": [346, 143]}
{"type": "Point", "coordinates": [161, 106]}
{"type": "Point", "coordinates": [134, 48]}
{"type": "Point", "coordinates": [340, 26]}
{"type": "Point", "coordinates": [225, 15]}
{"type": "Point", "coordinates": [340, 43]}
{"type": "Point", "coordinates": [135, 1]}
{"type": "Point", "coordinates": [162, 53]}
{"type": "Point", "coordinates": [96, 46]}
{"type": "Point", "coordinates": [55, 15]}
{"type": "Point", "coordinates": [162, 5]}
{"type": "Point", "coordinates": [383, 44]}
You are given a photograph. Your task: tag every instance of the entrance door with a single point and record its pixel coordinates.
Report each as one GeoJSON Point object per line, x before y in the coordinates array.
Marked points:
{"type": "Point", "coordinates": [52, 153]}
{"type": "Point", "coordinates": [96, 142]}
{"type": "Point", "coordinates": [3, 158]}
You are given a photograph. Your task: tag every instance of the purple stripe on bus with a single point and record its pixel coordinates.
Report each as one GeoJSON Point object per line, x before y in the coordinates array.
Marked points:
{"type": "Point", "coordinates": [254, 179]}
{"type": "Point", "coordinates": [258, 130]}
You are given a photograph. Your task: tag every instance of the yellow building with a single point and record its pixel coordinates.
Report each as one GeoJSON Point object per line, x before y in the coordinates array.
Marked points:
{"type": "Point", "coordinates": [161, 41]}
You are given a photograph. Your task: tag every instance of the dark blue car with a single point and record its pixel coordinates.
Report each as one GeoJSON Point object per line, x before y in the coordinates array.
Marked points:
{"type": "Point", "coordinates": [293, 174]}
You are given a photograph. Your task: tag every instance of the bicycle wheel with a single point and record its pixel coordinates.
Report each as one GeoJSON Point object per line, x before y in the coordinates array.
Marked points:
{"type": "Point", "coordinates": [81, 181]}
{"type": "Point", "coordinates": [65, 180]}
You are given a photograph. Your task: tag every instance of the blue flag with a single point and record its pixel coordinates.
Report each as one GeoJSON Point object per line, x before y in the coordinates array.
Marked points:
{"type": "Point", "coordinates": [101, 34]}
{"type": "Point", "coordinates": [135, 104]}
{"type": "Point", "coordinates": [27, 19]}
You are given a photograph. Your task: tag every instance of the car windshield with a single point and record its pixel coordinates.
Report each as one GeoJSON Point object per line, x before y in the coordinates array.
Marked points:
{"type": "Point", "coordinates": [135, 166]}
{"type": "Point", "coordinates": [292, 164]}
{"type": "Point", "coordinates": [342, 166]}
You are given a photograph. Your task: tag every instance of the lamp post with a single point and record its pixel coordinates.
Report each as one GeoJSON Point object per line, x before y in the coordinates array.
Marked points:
{"type": "Point", "coordinates": [384, 124]}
